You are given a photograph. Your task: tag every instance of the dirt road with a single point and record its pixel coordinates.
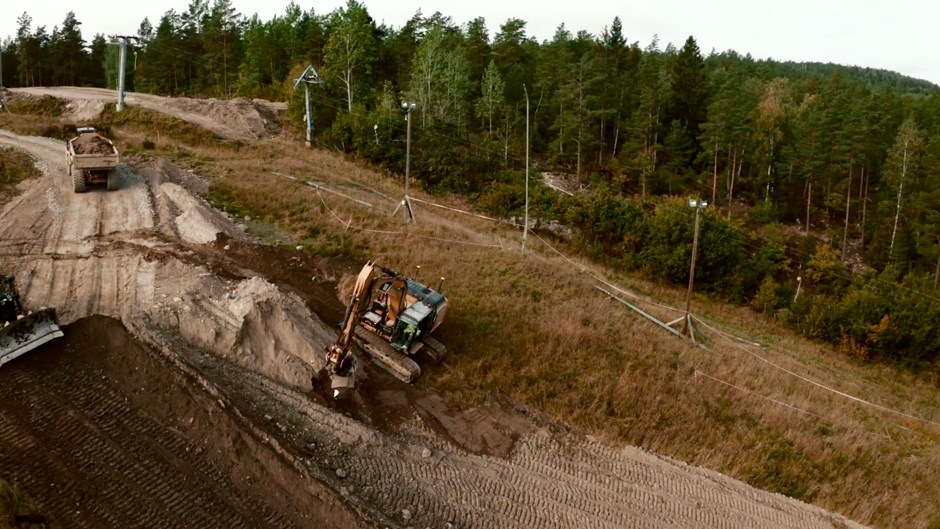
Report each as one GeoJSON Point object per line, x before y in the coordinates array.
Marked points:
{"type": "Point", "coordinates": [235, 119]}
{"type": "Point", "coordinates": [216, 405]}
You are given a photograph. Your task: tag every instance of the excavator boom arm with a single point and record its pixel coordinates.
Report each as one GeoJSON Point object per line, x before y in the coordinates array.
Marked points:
{"type": "Point", "coordinates": [341, 364]}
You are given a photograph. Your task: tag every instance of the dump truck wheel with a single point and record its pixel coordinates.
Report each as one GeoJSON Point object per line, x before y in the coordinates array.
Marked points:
{"type": "Point", "coordinates": [78, 180]}
{"type": "Point", "coordinates": [112, 180]}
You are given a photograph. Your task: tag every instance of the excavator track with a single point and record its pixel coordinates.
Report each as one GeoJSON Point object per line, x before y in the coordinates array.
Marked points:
{"type": "Point", "coordinates": [399, 365]}
{"type": "Point", "coordinates": [434, 349]}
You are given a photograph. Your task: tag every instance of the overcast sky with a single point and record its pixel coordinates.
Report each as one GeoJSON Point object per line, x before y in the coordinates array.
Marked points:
{"type": "Point", "coordinates": [897, 35]}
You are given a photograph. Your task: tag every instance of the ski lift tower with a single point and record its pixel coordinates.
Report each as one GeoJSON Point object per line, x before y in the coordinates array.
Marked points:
{"type": "Point", "coordinates": [309, 77]}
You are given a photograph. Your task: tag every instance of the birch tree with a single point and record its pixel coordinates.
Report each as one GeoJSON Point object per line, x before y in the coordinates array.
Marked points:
{"type": "Point", "coordinates": [492, 98]}
{"type": "Point", "coordinates": [903, 162]}
{"type": "Point", "coordinates": [350, 49]}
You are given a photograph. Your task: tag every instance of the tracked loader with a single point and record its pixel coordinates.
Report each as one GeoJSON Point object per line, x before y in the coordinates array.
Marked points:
{"type": "Point", "coordinates": [22, 331]}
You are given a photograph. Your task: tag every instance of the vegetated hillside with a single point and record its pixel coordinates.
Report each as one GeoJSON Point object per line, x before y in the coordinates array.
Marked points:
{"type": "Point", "coordinates": [791, 416]}
{"type": "Point", "coordinates": [873, 78]}
{"type": "Point", "coordinates": [848, 156]}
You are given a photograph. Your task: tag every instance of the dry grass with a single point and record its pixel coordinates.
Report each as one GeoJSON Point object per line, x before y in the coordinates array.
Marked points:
{"type": "Point", "coordinates": [18, 511]}
{"type": "Point", "coordinates": [15, 166]}
{"type": "Point", "coordinates": [532, 326]}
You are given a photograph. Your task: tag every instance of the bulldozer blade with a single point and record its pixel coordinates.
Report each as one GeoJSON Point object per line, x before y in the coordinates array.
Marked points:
{"type": "Point", "coordinates": [27, 333]}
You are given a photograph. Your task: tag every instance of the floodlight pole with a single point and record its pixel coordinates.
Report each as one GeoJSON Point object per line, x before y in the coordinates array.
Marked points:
{"type": "Point", "coordinates": [686, 319]}
{"type": "Point", "coordinates": [405, 203]}
{"type": "Point", "coordinates": [525, 229]}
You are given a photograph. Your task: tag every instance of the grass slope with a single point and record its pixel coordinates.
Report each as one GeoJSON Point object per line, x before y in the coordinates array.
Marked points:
{"type": "Point", "coordinates": [533, 327]}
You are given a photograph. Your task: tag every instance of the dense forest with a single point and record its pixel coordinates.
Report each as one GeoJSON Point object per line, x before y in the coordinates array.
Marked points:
{"type": "Point", "coordinates": [823, 181]}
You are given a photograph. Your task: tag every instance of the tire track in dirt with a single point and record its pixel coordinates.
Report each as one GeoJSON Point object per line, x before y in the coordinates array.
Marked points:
{"type": "Point", "coordinates": [550, 480]}
{"type": "Point", "coordinates": [82, 432]}
{"type": "Point", "coordinates": [57, 253]}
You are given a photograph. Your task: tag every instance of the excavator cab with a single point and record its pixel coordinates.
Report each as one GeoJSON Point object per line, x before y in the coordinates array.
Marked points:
{"type": "Point", "coordinates": [404, 335]}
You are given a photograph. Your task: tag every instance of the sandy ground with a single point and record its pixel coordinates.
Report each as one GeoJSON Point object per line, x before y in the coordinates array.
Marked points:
{"type": "Point", "coordinates": [197, 390]}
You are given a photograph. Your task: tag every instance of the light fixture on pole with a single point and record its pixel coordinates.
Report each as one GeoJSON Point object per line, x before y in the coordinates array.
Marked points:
{"type": "Point", "coordinates": [405, 201]}
{"type": "Point", "coordinates": [686, 319]}
{"type": "Point", "coordinates": [525, 229]}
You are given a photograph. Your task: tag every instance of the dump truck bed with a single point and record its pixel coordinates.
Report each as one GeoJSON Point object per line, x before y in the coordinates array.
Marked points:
{"type": "Point", "coordinates": [90, 151]}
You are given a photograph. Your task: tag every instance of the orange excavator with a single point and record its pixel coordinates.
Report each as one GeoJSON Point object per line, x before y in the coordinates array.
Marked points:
{"type": "Point", "coordinates": [391, 317]}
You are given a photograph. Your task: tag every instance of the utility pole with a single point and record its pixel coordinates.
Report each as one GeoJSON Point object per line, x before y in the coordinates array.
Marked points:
{"type": "Point", "coordinates": [122, 40]}
{"type": "Point", "coordinates": [686, 319]}
{"type": "Point", "coordinates": [525, 229]}
{"type": "Point", "coordinates": [3, 101]}
{"type": "Point", "coordinates": [405, 203]}
{"type": "Point", "coordinates": [309, 77]}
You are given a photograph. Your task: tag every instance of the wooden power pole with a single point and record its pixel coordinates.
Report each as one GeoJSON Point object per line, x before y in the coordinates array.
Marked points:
{"type": "Point", "coordinates": [686, 319]}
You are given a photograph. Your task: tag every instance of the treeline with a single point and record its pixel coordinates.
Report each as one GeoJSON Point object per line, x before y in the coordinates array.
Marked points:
{"type": "Point", "coordinates": [823, 181]}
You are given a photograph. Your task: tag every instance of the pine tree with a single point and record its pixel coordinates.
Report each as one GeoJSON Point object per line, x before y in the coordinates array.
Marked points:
{"type": "Point", "coordinates": [641, 150]}
{"type": "Point", "coordinates": [162, 68]}
{"type": "Point", "coordinates": [477, 50]}
{"type": "Point", "coordinates": [93, 71]}
{"type": "Point", "coordinates": [688, 99]}
{"type": "Point", "coordinates": [222, 45]}
{"type": "Point", "coordinates": [67, 52]}
{"type": "Point", "coordinates": [514, 58]}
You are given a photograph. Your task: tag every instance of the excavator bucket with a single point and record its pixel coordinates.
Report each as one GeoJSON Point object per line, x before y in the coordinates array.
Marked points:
{"type": "Point", "coordinates": [343, 384]}
{"type": "Point", "coordinates": [27, 333]}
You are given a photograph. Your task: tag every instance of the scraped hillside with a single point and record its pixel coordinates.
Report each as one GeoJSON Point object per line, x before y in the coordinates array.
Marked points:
{"type": "Point", "coordinates": [240, 326]}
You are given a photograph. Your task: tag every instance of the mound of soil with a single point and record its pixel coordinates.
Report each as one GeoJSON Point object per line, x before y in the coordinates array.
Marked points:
{"type": "Point", "coordinates": [235, 119]}
{"type": "Point", "coordinates": [92, 144]}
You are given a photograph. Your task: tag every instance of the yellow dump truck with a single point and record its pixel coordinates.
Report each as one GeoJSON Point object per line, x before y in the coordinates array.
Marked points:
{"type": "Point", "coordinates": [92, 159]}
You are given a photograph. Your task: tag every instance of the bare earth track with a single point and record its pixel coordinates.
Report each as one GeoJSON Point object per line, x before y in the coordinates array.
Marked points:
{"type": "Point", "coordinates": [192, 406]}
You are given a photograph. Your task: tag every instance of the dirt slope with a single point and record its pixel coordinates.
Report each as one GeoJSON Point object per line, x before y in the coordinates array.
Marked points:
{"type": "Point", "coordinates": [230, 359]}
{"type": "Point", "coordinates": [235, 119]}
{"type": "Point", "coordinates": [103, 444]}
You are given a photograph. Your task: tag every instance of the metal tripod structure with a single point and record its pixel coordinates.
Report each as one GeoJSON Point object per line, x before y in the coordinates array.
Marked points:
{"type": "Point", "coordinates": [405, 203]}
